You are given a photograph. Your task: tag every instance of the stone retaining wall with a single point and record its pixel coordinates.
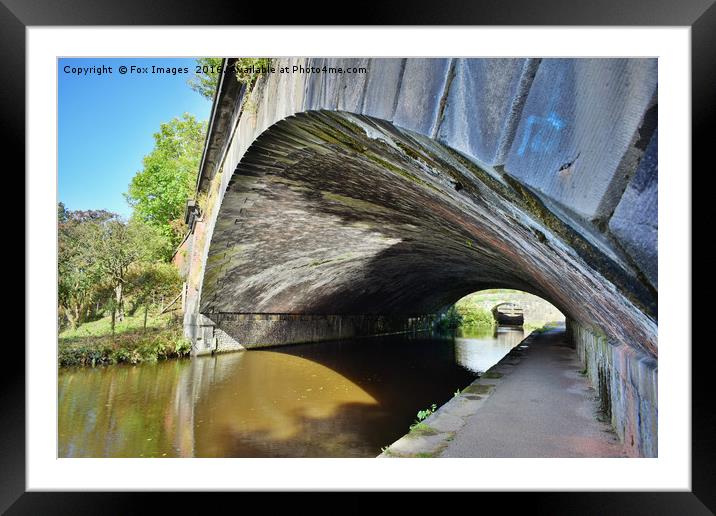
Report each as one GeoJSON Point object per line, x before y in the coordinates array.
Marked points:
{"type": "Point", "coordinates": [245, 331]}
{"type": "Point", "coordinates": [626, 381]}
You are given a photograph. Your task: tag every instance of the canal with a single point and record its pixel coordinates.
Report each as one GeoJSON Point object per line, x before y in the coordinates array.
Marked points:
{"type": "Point", "coordinates": [333, 399]}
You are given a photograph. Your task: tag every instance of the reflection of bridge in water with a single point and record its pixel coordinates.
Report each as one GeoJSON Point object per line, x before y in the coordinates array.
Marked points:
{"type": "Point", "coordinates": [480, 352]}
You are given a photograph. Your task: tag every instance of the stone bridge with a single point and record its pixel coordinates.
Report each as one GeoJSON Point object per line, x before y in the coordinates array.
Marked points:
{"type": "Point", "coordinates": [335, 205]}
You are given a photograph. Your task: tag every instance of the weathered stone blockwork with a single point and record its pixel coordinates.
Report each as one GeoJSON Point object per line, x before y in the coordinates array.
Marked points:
{"type": "Point", "coordinates": [246, 331]}
{"type": "Point", "coordinates": [484, 106]}
{"type": "Point", "coordinates": [578, 137]}
{"type": "Point", "coordinates": [634, 220]}
{"type": "Point", "coordinates": [626, 381]}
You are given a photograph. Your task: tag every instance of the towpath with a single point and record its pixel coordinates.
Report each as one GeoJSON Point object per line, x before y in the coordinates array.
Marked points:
{"type": "Point", "coordinates": [534, 403]}
{"type": "Point", "coordinates": [543, 408]}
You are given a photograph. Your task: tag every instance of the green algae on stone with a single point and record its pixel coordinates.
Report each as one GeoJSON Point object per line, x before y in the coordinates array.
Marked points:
{"type": "Point", "coordinates": [477, 388]}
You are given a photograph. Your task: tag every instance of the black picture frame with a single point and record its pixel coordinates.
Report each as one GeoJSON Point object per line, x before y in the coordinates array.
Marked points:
{"type": "Point", "coordinates": [17, 15]}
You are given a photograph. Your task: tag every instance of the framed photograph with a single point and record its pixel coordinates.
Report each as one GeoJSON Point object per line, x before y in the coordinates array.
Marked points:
{"type": "Point", "coordinates": [399, 257]}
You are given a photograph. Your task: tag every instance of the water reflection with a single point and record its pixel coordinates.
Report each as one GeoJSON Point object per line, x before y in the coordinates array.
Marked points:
{"type": "Point", "coordinates": [339, 399]}
{"type": "Point", "coordinates": [478, 349]}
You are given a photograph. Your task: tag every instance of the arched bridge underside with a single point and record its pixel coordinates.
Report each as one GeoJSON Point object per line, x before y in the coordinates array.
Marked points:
{"type": "Point", "coordinates": [332, 213]}
{"type": "Point", "coordinates": [325, 217]}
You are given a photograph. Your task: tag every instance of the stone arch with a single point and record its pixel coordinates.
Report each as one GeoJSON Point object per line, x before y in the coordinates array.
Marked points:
{"type": "Point", "coordinates": [335, 206]}
{"type": "Point", "coordinates": [333, 213]}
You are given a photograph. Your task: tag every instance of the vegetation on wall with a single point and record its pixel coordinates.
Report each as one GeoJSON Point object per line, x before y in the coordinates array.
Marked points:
{"type": "Point", "coordinates": [205, 80]}
{"type": "Point", "coordinates": [249, 69]}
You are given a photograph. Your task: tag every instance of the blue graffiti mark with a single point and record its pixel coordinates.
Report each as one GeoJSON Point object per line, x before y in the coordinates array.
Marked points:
{"type": "Point", "coordinates": [545, 130]}
{"type": "Point", "coordinates": [526, 135]}
{"type": "Point", "coordinates": [556, 122]}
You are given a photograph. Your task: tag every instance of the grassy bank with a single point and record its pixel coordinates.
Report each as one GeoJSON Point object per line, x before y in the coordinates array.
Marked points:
{"type": "Point", "coordinates": [92, 344]}
{"type": "Point", "coordinates": [131, 323]}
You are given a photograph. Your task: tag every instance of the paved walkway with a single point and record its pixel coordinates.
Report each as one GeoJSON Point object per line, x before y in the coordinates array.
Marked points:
{"type": "Point", "coordinates": [542, 407]}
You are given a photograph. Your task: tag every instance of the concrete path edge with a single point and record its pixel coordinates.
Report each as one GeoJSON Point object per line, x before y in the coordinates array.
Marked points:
{"type": "Point", "coordinates": [431, 436]}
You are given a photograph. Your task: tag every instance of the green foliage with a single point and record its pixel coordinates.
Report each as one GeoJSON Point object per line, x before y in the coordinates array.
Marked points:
{"type": "Point", "coordinates": [128, 348]}
{"type": "Point", "coordinates": [182, 347]}
{"type": "Point", "coordinates": [102, 260]}
{"type": "Point", "coordinates": [473, 312]}
{"type": "Point", "coordinates": [206, 80]}
{"type": "Point", "coordinates": [472, 315]}
{"type": "Point", "coordinates": [158, 193]}
{"type": "Point", "coordinates": [422, 415]}
{"type": "Point", "coordinates": [149, 283]}
{"type": "Point", "coordinates": [249, 69]}
{"type": "Point", "coordinates": [114, 245]}
{"type": "Point", "coordinates": [464, 315]}
{"type": "Point", "coordinates": [80, 281]}
{"type": "Point", "coordinates": [449, 320]}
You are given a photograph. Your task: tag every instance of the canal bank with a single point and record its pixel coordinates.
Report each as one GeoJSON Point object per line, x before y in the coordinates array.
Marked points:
{"type": "Point", "coordinates": [347, 398]}
{"type": "Point", "coordinates": [535, 402]}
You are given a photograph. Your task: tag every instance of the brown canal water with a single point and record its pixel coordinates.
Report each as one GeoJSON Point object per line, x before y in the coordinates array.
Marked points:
{"type": "Point", "coordinates": [332, 399]}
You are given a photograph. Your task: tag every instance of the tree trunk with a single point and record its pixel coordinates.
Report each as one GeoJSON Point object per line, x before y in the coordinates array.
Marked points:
{"type": "Point", "coordinates": [146, 309]}
{"type": "Point", "coordinates": [114, 313]}
{"type": "Point", "coordinates": [120, 301]}
{"type": "Point", "coordinates": [69, 313]}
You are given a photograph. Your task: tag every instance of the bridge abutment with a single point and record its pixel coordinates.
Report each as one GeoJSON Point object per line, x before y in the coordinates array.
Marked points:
{"type": "Point", "coordinates": [626, 382]}
{"type": "Point", "coordinates": [234, 331]}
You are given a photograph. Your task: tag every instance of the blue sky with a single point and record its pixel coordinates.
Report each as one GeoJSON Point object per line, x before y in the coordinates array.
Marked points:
{"type": "Point", "coordinates": [106, 123]}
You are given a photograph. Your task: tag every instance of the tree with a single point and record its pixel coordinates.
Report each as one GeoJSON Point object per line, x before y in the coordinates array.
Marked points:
{"type": "Point", "coordinates": [114, 246]}
{"type": "Point", "coordinates": [100, 256]}
{"type": "Point", "coordinates": [79, 279]}
{"type": "Point", "coordinates": [158, 192]}
{"type": "Point", "coordinates": [206, 80]}
{"type": "Point", "coordinates": [149, 282]}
